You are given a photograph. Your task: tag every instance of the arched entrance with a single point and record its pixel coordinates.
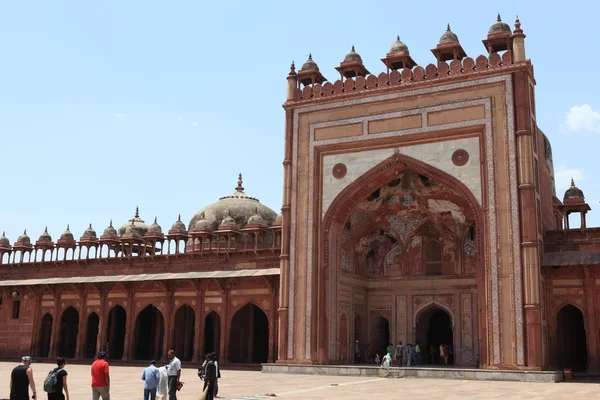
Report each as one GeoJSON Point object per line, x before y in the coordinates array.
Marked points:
{"type": "Point", "coordinates": [405, 221]}
{"type": "Point", "coordinates": [571, 339]}
{"type": "Point", "coordinates": [358, 335]}
{"type": "Point", "coordinates": [149, 334]}
{"type": "Point", "coordinates": [249, 336]}
{"type": "Point", "coordinates": [115, 332]}
{"type": "Point", "coordinates": [434, 328]}
{"type": "Point", "coordinates": [380, 336]}
{"type": "Point", "coordinates": [212, 333]}
{"type": "Point", "coordinates": [185, 318]}
{"type": "Point", "coordinates": [45, 336]}
{"type": "Point", "coordinates": [69, 327]}
{"type": "Point", "coordinates": [344, 350]}
{"type": "Point", "coordinates": [91, 337]}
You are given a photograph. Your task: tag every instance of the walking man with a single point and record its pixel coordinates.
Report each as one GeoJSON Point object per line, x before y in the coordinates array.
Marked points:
{"type": "Point", "coordinates": [151, 377]}
{"type": "Point", "coordinates": [100, 378]}
{"type": "Point", "coordinates": [61, 381]}
{"type": "Point", "coordinates": [356, 353]}
{"type": "Point", "coordinates": [173, 373]}
{"type": "Point", "coordinates": [21, 379]}
{"type": "Point", "coordinates": [399, 354]}
{"type": "Point", "coordinates": [210, 376]}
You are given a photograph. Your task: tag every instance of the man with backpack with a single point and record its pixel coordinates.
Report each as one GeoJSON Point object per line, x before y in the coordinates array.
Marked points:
{"type": "Point", "coordinates": [56, 382]}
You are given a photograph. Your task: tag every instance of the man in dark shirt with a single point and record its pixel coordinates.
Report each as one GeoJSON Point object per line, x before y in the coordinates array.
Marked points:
{"type": "Point", "coordinates": [210, 376]}
{"type": "Point", "coordinates": [20, 380]}
{"type": "Point", "coordinates": [61, 382]}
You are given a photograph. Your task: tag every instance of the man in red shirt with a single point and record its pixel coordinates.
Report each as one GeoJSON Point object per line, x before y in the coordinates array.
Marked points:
{"type": "Point", "coordinates": [100, 378]}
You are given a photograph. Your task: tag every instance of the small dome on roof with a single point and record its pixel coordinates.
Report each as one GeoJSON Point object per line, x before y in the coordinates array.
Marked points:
{"type": "Point", "coordinates": [228, 221]}
{"type": "Point", "coordinates": [155, 227]}
{"type": "Point", "coordinates": [141, 227]}
{"type": "Point", "coordinates": [399, 47]}
{"type": "Point", "coordinates": [573, 192]}
{"type": "Point", "coordinates": [203, 224]}
{"type": "Point", "coordinates": [310, 64]}
{"type": "Point", "coordinates": [499, 27]}
{"type": "Point", "coordinates": [24, 238]}
{"type": "Point", "coordinates": [90, 233]}
{"type": "Point", "coordinates": [178, 225]}
{"type": "Point", "coordinates": [110, 230]}
{"type": "Point", "coordinates": [45, 237]}
{"type": "Point", "coordinates": [353, 56]}
{"type": "Point", "coordinates": [131, 230]}
{"type": "Point", "coordinates": [279, 219]}
{"type": "Point", "coordinates": [256, 219]}
{"type": "Point", "coordinates": [67, 235]}
{"type": "Point", "coordinates": [448, 37]}
{"type": "Point", "coordinates": [4, 242]}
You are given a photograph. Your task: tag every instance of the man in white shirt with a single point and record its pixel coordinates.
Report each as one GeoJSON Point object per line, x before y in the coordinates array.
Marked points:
{"type": "Point", "coordinates": [173, 374]}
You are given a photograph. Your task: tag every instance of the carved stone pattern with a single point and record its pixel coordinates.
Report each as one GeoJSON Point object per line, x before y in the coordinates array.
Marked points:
{"type": "Point", "coordinates": [470, 247]}
{"type": "Point", "coordinates": [347, 255]}
{"type": "Point", "coordinates": [390, 256]}
{"type": "Point", "coordinates": [401, 318]}
{"type": "Point", "coordinates": [491, 199]}
{"type": "Point", "coordinates": [339, 170]}
{"type": "Point", "coordinates": [460, 157]}
{"type": "Point", "coordinates": [404, 225]}
{"type": "Point", "coordinates": [467, 321]}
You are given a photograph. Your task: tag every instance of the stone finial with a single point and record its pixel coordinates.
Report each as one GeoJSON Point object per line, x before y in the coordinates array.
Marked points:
{"type": "Point", "coordinates": [137, 212]}
{"type": "Point", "coordinates": [572, 183]}
{"type": "Point", "coordinates": [68, 226]}
{"type": "Point", "coordinates": [239, 187]}
{"type": "Point", "coordinates": [155, 220]}
{"type": "Point", "coordinates": [518, 30]}
{"type": "Point", "coordinates": [46, 229]}
{"type": "Point", "coordinates": [24, 231]}
{"type": "Point", "coordinates": [179, 218]}
{"type": "Point", "coordinates": [292, 69]}
{"type": "Point", "coordinates": [109, 224]}
{"type": "Point", "coordinates": [499, 19]}
{"type": "Point", "coordinates": [353, 48]}
{"type": "Point", "coordinates": [448, 28]}
{"type": "Point", "coordinates": [90, 226]}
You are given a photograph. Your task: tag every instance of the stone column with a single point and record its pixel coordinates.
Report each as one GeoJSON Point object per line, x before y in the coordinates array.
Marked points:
{"type": "Point", "coordinates": [225, 324]}
{"type": "Point", "coordinates": [129, 334]}
{"type": "Point", "coordinates": [54, 340]}
{"type": "Point", "coordinates": [102, 319]}
{"type": "Point", "coordinates": [168, 320]}
{"type": "Point", "coordinates": [284, 333]}
{"type": "Point", "coordinates": [199, 325]}
{"type": "Point", "coordinates": [528, 212]}
{"type": "Point", "coordinates": [591, 326]}
{"type": "Point", "coordinates": [272, 322]}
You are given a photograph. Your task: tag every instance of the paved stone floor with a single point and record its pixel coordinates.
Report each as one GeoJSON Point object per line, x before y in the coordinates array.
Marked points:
{"type": "Point", "coordinates": [127, 385]}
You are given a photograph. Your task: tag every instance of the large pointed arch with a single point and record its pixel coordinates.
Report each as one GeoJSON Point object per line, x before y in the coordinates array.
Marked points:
{"type": "Point", "coordinates": [330, 235]}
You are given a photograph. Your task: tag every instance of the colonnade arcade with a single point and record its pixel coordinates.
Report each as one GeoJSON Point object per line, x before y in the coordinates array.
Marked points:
{"type": "Point", "coordinates": [142, 321]}
{"type": "Point", "coordinates": [406, 245]}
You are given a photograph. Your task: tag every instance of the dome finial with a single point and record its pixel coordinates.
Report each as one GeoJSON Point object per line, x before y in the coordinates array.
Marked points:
{"type": "Point", "coordinates": [310, 56]}
{"type": "Point", "coordinates": [110, 223]}
{"type": "Point", "coordinates": [155, 220]}
{"type": "Point", "coordinates": [352, 48]}
{"type": "Point", "coordinates": [448, 29]}
{"type": "Point", "coordinates": [572, 183]}
{"type": "Point", "coordinates": [24, 231]}
{"type": "Point", "coordinates": [137, 212]}
{"type": "Point", "coordinates": [179, 218]}
{"type": "Point", "coordinates": [239, 187]}
{"type": "Point", "coordinates": [90, 226]}
{"type": "Point", "coordinates": [293, 68]}
{"type": "Point", "coordinates": [46, 230]}
{"type": "Point", "coordinates": [499, 19]}
{"type": "Point", "coordinates": [398, 38]}
{"type": "Point", "coordinates": [68, 226]}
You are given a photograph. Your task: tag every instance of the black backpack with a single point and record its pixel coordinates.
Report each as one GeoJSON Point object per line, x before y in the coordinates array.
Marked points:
{"type": "Point", "coordinates": [51, 382]}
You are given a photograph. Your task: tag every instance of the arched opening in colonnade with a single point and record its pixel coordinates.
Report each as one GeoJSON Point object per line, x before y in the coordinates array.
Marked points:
{"type": "Point", "coordinates": [212, 333]}
{"type": "Point", "coordinates": [249, 336]}
{"type": "Point", "coordinates": [115, 332]}
{"type": "Point", "coordinates": [185, 319]}
{"type": "Point", "coordinates": [571, 339]}
{"type": "Point", "coordinates": [45, 336]}
{"type": "Point", "coordinates": [149, 334]}
{"type": "Point", "coordinates": [434, 328]}
{"type": "Point", "coordinates": [69, 328]}
{"type": "Point", "coordinates": [380, 336]}
{"type": "Point", "coordinates": [91, 337]}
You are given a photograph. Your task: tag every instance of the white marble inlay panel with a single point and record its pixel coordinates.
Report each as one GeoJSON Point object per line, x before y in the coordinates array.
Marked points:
{"type": "Point", "coordinates": [438, 155]}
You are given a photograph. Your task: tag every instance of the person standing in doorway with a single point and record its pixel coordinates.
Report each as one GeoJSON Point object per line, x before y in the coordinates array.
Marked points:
{"type": "Point", "coordinates": [417, 354]}
{"type": "Point", "coordinates": [173, 373]}
{"type": "Point", "coordinates": [399, 353]}
{"type": "Point", "coordinates": [356, 353]}
{"type": "Point", "coordinates": [442, 355]}
{"type": "Point", "coordinates": [100, 378]}
{"type": "Point", "coordinates": [21, 379]}
{"type": "Point", "coordinates": [151, 378]}
{"type": "Point", "coordinates": [61, 381]}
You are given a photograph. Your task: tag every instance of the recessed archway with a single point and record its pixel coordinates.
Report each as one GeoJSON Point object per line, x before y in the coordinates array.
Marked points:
{"type": "Point", "coordinates": [45, 336]}
{"type": "Point", "coordinates": [149, 334]}
{"type": "Point", "coordinates": [69, 327]}
{"type": "Point", "coordinates": [380, 336]}
{"type": "Point", "coordinates": [571, 339]}
{"type": "Point", "coordinates": [91, 337]}
{"type": "Point", "coordinates": [212, 333]}
{"type": "Point", "coordinates": [185, 318]}
{"type": "Point", "coordinates": [249, 336]}
{"type": "Point", "coordinates": [115, 332]}
{"type": "Point", "coordinates": [434, 328]}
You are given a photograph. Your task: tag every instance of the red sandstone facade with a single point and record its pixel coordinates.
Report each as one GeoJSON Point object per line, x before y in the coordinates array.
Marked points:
{"type": "Point", "coordinates": [418, 206]}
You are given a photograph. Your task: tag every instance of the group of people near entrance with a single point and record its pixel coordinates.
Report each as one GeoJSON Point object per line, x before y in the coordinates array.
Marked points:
{"type": "Point", "coordinates": [159, 382]}
{"type": "Point", "coordinates": [406, 355]}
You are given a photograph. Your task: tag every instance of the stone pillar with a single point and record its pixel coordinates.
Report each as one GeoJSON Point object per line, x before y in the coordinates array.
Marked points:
{"type": "Point", "coordinates": [54, 340]}
{"type": "Point", "coordinates": [226, 323]}
{"type": "Point", "coordinates": [199, 326]}
{"type": "Point", "coordinates": [102, 320]}
{"type": "Point", "coordinates": [37, 321]}
{"type": "Point", "coordinates": [284, 333]}
{"type": "Point", "coordinates": [170, 315]}
{"type": "Point", "coordinates": [272, 322]}
{"type": "Point", "coordinates": [591, 326]}
{"type": "Point", "coordinates": [130, 324]}
{"type": "Point", "coordinates": [528, 217]}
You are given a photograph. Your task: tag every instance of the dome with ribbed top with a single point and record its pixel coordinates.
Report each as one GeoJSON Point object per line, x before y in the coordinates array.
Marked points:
{"type": "Point", "coordinates": [137, 222]}
{"type": "Point", "coordinates": [203, 224]}
{"type": "Point", "coordinates": [90, 233]}
{"type": "Point", "coordinates": [238, 206]}
{"type": "Point", "coordinates": [574, 192]}
{"type": "Point", "coordinates": [4, 242]}
{"type": "Point", "coordinates": [399, 47]}
{"type": "Point", "coordinates": [256, 219]}
{"type": "Point", "coordinates": [310, 64]}
{"type": "Point", "coordinates": [24, 238]}
{"type": "Point", "coordinates": [67, 235]}
{"type": "Point", "coordinates": [228, 221]}
{"type": "Point", "coordinates": [45, 237]}
{"type": "Point", "coordinates": [448, 37]}
{"type": "Point", "coordinates": [155, 227]}
{"type": "Point", "coordinates": [499, 27]}
{"type": "Point", "coordinates": [353, 56]}
{"type": "Point", "coordinates": [110, 230]}
{"type": "Point", "coordinates": [178, 225]}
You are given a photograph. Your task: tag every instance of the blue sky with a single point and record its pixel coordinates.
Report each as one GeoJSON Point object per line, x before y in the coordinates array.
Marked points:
{"type": "Point", "coordinates": [113, 104]}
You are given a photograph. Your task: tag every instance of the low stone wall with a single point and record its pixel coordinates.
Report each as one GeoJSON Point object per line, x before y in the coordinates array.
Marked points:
{"type": "Point", "coordinates": [417, 372]}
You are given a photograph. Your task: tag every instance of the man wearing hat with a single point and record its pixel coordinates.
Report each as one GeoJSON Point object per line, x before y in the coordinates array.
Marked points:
{"type": "Point", "coordinates": [151, 377]}
{"type": "Point", "coordinates": [100, 378]}
{"type": "Point", "coordinates": [21, 379]}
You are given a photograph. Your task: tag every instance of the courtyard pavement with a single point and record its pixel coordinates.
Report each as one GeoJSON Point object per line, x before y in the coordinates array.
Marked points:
{"type": "Point", "coordinates": [127, 385]}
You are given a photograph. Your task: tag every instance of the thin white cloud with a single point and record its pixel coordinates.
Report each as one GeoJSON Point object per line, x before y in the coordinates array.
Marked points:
{"type": "Point", "coordinates": [194, 124]}
{"type": "Point", "coordinates": [120, 115]}
{"type": "Point", "coordinates": [583, 118]}
{"type": "Point", "coordinates": [563, 175]}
